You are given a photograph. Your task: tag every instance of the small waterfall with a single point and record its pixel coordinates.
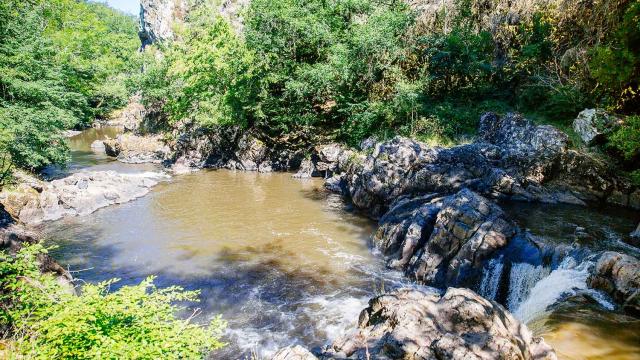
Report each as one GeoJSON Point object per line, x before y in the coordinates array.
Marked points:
{"type": "Point", "coordinates": [567, 279]}
{"type": "Point", "coordinates": [522, 278]}
{"type": "Point", "coordinates": [492, 274]}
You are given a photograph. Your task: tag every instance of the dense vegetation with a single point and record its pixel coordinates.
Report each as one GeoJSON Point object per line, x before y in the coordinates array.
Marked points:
{"type": "Point", "coordinates": [359, 68]}
{"type": "Point", "coordinates": [48, 321]}
{"type": "Point", "coordinates": [62, 64]}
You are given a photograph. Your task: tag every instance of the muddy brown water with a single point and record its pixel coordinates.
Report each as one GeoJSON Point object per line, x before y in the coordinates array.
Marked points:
{"type": "Point", "coordinates": [280, 259]}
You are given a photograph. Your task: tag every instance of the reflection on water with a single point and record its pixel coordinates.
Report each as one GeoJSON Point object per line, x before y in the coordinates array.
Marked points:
{"type": "Point", "coordinates": [279, 258]}
{"type": "Point", "coordinates": [83, 157]}
{"type": "Point", "coordinates": [585, 332]}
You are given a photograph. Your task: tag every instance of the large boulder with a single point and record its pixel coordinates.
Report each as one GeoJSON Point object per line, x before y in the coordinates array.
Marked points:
{"type": "Point", "coordinates": [511, 159]}
{"type": "Point", "coordinates": [75, 195]}
{"type": "Point", "coordinates": [412, 324]}
{"type": "Point", "coordinates": [593, 125]}
{"type": "Point", "coordinates": [133, 149]}
{"type": "Point", "coordinates": [294, 353]}
{"type": "Point", "coordinates": [443, 241]}
{"type": "Point", "coordinates": [619, 276]}
{"type": "Point", "coordinates": [131, 117]}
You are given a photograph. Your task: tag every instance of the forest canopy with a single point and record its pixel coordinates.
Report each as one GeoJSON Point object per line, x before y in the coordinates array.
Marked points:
{"type": "Point", "coordinates": [358, 68]}
{"type": "Point", "coordinates": [63, 63]}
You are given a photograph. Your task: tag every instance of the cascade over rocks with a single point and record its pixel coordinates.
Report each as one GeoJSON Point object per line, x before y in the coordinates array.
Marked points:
{"type": "Point", "coordinates": [412, 324]}
{"type": "Point", "coordinates": [619, 276]}
{"type": "Point", "coordinates": [76, 195]}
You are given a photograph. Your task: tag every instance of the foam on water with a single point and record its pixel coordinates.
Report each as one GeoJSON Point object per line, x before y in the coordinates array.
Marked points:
{"type": "Point", "coordinates": [491, 278]}
{"type": "Point", "coordinates": [522, 278]}
{"type": "Point", "coordinates": [567, 279]}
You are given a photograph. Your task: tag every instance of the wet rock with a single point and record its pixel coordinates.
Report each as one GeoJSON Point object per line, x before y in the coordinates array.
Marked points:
{"type": "Point", "coordinates": [412, 324]}
{"type": "Point", "coordinates": [294, 353]}
{"type": "Point", "coordinates": [592, 125]}
{"type": "Point", "coordinates": [443, 241]}
{"type": "Point", "coordinates": [251, 153]}
{"type": "Point", "coordinates": [619, 276]}
{"type": "Point", "coordinates": [76, 195]}
{"type": "Point", "coordinates": [307, 170]}
{"type": "Point", "coordinates": [133, 149]}
{"type": "Point", "coordinates": [98, 146]}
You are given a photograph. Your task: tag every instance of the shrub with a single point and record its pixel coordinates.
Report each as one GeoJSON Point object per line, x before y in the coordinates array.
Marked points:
{"type": "Point", "coordinates": [626, 139]}
{"type": "Point", "coordinates": [134, 322]}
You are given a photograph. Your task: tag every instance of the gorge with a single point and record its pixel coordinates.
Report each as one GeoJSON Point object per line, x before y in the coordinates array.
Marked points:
{"type": "Point", "coordinates": [515, 243]}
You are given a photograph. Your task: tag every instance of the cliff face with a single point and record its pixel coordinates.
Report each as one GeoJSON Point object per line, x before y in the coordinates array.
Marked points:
{"type": "Point", "coordinates": [158, 17]}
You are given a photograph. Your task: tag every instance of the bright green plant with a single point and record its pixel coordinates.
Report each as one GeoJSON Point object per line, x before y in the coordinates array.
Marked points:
{"type": "Point", "coordinates": [626, 139]}
{"type": "Point", "coordinates": [135, 322]}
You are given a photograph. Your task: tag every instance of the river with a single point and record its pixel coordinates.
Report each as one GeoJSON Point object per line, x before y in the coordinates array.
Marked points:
{"type": "Point", "coordinates": [285, 262]}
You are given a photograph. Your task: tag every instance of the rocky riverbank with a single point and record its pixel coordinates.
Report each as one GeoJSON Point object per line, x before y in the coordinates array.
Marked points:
{"type": "Point", "coordinates": [440, 222]}
{"type": "Point", "coordinates": [33, 201]}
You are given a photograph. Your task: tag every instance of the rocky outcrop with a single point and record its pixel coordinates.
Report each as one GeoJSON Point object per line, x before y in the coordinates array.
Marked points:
{"type": "Point", "coordinates": [443, 241]}
{"type": "Point", "coordinates": [619, 276]}
{"type": "Point", "coordinates": [133, 149]}
{"type": "Point", "coordinates": [511, 159]}
{"type": "Point", "coordinates": [78, 194]}
{"type": "Point", "coordinates": [593, 125]}
{"type": "Point", "coordinates": [325, 161]}
{"type": "Point", "coordinates": [130, 118]}
{"type": "Point", "coordinates": [412, 324]}
{"type": "Point", "coordinates": [233, 148]}
{"type": "Point", "coordinates": [294, 353]}
{"type": "Point", "coordinates": [158, 18]}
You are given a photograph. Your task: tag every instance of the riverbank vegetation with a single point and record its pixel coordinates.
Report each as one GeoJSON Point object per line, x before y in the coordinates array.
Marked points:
{"type": "Point", "coordinates": [63, 63]}
{"type": "Point", "coordinates": [43, 319]}
{"type": "Point", "coordinates": [369, 67]}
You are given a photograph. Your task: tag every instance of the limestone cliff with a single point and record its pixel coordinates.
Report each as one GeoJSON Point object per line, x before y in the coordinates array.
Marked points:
{"type": "Point", "coordinates": [158, 18]}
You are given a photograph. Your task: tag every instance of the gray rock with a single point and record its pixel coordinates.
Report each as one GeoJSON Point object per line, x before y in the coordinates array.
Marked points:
{"type": "Point", "coordinates": [98, 146]}
{"type": "Point", "coordinates": [436, 239]}
{"type": "Point", "coordinates": [294, 353]}
{"type": "Point", "coordinates": [133, 149]}
{"type": "Point", "coordinates": [131, 118]}
{"type": "Point", "coordinates": [592, 125]}
{"type": "Point", "coordinates": [76, 195]}
{"type": "Point", "coordinates": [511, 159]}
{"type": "Point", "coordinates": [412, 324]}
{"type": "Point", "coordinates": [619, 276]}
{"type": "Point", "coordinates": [307, 170]}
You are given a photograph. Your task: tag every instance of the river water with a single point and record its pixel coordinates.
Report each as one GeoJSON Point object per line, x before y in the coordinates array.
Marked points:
{"type": "Point", "coordinates": [284, 262]}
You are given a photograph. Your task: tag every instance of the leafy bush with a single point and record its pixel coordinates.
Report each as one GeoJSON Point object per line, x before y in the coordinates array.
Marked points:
{"type": "Point", "coordinates": [135, 322]}
{"type": "Point", "coordinates": [626, 139]}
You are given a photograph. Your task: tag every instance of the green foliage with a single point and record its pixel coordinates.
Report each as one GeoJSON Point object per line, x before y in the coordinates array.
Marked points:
{"type": "Point", "coordinates": [357, 68]}
{"type": "Point", "coordinates": [135, 322]}
{"type": "Point", "coordinates": [61, 65]}
{"type": "Point", "coordinates": [626, 139]}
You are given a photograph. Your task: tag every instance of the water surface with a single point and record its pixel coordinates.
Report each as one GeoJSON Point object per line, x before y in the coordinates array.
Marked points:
{"type": "Point", "coordinates": [280, 259]}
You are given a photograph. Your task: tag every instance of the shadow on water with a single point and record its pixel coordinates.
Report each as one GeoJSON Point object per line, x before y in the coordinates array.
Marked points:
{"type": "Point", "coordinates": [282, 261]}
